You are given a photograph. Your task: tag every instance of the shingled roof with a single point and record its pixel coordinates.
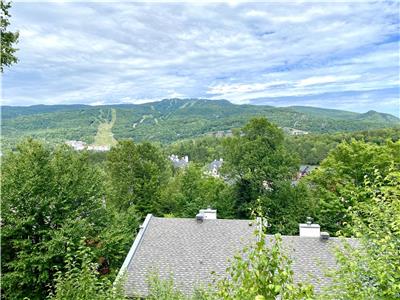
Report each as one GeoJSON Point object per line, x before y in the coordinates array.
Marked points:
{"type": "Point", "coordinates": [190, 251]}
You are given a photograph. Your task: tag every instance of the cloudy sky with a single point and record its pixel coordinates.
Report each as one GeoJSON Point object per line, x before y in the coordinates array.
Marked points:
{"type": "Point", "coordinates": [338, 55]}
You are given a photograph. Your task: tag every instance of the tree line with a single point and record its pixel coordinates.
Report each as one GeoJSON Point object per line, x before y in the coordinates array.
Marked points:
{"type": "Point", "coordinates": [69, 218]}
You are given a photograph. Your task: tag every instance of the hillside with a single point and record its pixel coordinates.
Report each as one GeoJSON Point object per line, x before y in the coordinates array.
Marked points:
{"type": "Point", "coordinates": [170, 120]}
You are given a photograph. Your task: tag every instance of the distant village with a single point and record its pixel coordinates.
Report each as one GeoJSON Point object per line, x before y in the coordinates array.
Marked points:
{"type": "Point", "coordinates": [211, 169]}
{"type": "Point", "coordinates": [80, 146]}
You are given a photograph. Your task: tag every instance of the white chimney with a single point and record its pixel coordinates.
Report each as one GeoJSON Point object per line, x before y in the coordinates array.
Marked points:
{"type": "Point", "coordinates": [208, 214]}
{"type": "Point", "coordinates": [309, 229]}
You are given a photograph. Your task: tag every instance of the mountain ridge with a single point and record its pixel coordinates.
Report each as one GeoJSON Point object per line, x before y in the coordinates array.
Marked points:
{"type": "Point", "coordinates": [294, 107]}
{"type": "Point", "coordinates": [169, 120]}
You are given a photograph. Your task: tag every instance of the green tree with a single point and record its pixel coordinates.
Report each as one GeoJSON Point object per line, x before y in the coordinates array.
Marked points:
{"type": "Point", "coordinates": [287, 206]}
{"type": "Point", "coordinates": [190, 190]}
{"type": "Point", "coordinates": [201, 150]}
{"type": "Point", "coordinates": [81, 279]}
{"type": "Point", "coordinates": [342, 172]}
{"type": "Point", "coordinates": [255, 159]}
{"type": "Point", "coordinates": [372, 269]}
{"type": "Point", "coordinates": [116, 238]}
{"type": "Point", "coordinates": [8, 38]}
{"type": "Point", "coordinates": [49, 198]}
{"type": "Point", "coordinates": [136, 176]}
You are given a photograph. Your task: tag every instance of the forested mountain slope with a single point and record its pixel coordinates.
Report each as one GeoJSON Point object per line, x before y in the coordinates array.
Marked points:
{"type": "Point", "coordinates": [172, 119]}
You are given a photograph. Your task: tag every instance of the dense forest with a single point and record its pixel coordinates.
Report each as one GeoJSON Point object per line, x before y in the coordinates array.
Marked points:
{"type": "Point", "coordinates": [69, 217]}
{"type": "Point", "coordinates": [311, 148]}
{"type": "Point", "coordinates": [171, 120]}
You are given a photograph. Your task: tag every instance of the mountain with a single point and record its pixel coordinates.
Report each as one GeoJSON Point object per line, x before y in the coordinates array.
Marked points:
{"type": "Point", "coordinates": [374, 116]}
{"type": "Point", "coordinates": [171, 119]}
{"type": "Point", "coordinates": [324, 112]}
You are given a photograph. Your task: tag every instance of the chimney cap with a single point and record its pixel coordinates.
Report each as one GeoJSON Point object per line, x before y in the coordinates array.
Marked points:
{"type": "Point", "coordinates": [207, 210]}
{"type": "Point", "coordinates": [208, 213]}
{"type": "Point", "coordinates": [309, 230]}
{"type": "Point", "coordinates": [307, 225]}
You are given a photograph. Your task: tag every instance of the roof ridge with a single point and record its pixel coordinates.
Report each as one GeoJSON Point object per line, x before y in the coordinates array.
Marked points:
{"type": "Point", "coordinates": [218, 219]}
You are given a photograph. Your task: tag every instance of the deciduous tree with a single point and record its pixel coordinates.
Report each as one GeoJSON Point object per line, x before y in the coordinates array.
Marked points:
{"type": "Point", "coordinates": [190, 190]}
{"type": "Point", "coordinates": [342, 172]}
{"type": "Point", "coordinates": [256, 159]}
{"type": "Point", "coordinates": [49, 198]}
{"type": "Point", "coordinates": [371, 270]}
{"type": "Point", "coordinates": [8, 38]}
{"type": "Point", "coordinates": [136, 175]}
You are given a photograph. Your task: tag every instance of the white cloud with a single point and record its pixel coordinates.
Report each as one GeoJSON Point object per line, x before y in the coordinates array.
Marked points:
{"type": "Point", "coordinates": [135, 52]}
{"type": "Point", "coordinates": [243, 88]}
{"type": "Point", "coordinates": [325, 79]}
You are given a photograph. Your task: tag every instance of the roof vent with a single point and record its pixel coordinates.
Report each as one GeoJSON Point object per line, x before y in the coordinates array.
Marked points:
{"type": "Point", "coordinates": [199, 218]}
{"type": "Point", "coordinates": [309, 229]}
{"type": "Point", "coordinates": [209, 213]}
{"type": "Point", "coordinates": [324, 235]}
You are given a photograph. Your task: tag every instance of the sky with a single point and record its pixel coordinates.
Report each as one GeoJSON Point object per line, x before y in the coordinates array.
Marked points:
{"type": "Point", "coordinates": [342, 55]}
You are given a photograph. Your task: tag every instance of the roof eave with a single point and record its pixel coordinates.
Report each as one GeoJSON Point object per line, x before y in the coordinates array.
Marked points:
{"type": "Point", "coordinates": [133, 248]}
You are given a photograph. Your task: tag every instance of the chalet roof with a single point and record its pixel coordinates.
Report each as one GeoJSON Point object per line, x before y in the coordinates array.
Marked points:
{"type": "Point", "coordinates": [189, 251]}
{"type": "Point", "coordinates": [215, 164]}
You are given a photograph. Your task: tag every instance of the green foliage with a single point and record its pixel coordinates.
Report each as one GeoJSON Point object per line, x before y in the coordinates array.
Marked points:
{"type": "Point", "coordinates": [255, 159]}
{"type": "Point", "coordinates": [189, 190]}
{"type": "Point", "coordinates": [313, 148]}
{"type": "Point", "coordinates": [201, 150]}
{"type": "Point", "coordinates": [287, 206]}
{"type": "Point", "coordinates": [52, 198]}
{"type": "Point", "coordinates": [341, 173]}
{"type": "Point", "coordinates": [372, 270]}
{"type": "Point", "coordinates": [171, 120]}
{"type": "Point", "coordinates": [8, 38]}
{"type": "Point", "coordinates": [81, 280]}
{"type": "Point", "coordinates": [49, 198]}
{"type": "Point", "coordinates": [262, 270]}
{"type": "Point", "coordinates": [136, 176]}
{"type": "Point", "coordinates": [163, 289]}
{"type": "Point", "coordinates": [117, 237]}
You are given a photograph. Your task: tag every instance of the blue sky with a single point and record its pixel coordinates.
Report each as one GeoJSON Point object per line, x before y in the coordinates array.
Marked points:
{"type": "Point", "coordinates": [337, 55]}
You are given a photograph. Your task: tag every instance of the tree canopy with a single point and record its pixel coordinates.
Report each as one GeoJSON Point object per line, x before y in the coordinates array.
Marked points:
{"type": "Point", "coordinates": [256, 160]}
{"type": "Point", "coordinates": [69, 217]}
{"type": "Point", "coordinates": [8, 38]}
{"type": "Point", "coordinates": [49, 198]}
{"type": "Point", "coordinates": [136, 175]}
{"type": "Point", "coordinates": [371, 270]}
{"type": "Point", "coordinates": [342, 172]}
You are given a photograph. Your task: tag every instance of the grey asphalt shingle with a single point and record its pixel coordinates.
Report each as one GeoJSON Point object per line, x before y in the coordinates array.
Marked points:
{"type": "Point", "coordinates": [190, 251]}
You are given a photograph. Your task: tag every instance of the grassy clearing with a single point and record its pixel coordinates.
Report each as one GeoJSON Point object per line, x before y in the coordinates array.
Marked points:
{"type": "Point", "coordinates": [104, 134]}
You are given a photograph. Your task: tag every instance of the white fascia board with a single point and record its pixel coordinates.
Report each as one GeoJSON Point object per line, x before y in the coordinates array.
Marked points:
{"type": "Point", "coordinates": [134, 247]}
